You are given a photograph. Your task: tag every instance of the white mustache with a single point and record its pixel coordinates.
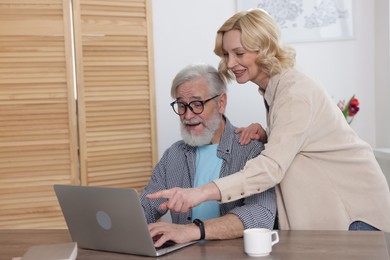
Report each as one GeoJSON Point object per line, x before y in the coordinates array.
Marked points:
{"type": "Point", "coordinates": [192, 122]}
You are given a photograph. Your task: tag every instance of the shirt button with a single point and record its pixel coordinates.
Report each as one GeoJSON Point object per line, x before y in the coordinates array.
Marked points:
{"type": "Point", "coordinates": [229, 198]}
{"type": "Point", "coordinates": [258, 189]}
{"type": "Point", "coordinates": [242, 193]}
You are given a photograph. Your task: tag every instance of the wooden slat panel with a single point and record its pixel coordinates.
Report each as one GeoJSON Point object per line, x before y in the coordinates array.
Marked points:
{"type": "Point", "coordinates": [115, 92]}
{"type": "Point", "coordinates": [38, 145]}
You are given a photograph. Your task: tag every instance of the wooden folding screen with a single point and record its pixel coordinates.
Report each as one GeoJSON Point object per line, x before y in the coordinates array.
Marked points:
{"type": "Point", "coordinates": [38, 139]}
{"type": "Point", "coordinates": [114, 75]}
{"type": "Point", "coordinates": [39, 134]}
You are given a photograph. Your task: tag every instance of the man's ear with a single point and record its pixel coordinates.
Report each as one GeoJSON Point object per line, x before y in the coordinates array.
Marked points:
{"type": "Point", "coordinates": [222, 102]}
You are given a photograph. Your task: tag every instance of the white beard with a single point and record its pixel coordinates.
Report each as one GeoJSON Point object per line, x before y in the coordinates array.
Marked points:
{"type": "Point", "coordinates": [209, 131]}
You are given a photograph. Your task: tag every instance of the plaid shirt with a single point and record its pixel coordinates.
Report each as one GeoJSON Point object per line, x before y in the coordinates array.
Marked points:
{"type": "Point", "coordinates": [177, 169]}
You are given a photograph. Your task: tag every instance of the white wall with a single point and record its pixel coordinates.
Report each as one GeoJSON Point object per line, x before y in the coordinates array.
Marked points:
{"type": "Point", "coordinates": [382, 69]}
{"type": "Point", "coordinates": [184, 33]}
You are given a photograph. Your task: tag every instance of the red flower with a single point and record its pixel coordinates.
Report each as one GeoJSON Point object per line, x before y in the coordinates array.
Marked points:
{"type": "Point", "coordinates": [350, 109]}
{"type": "Point", "coordinates": [353, 106]}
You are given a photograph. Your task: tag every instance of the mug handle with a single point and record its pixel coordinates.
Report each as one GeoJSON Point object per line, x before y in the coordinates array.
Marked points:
{"type": "Point", "coordinates": [276, 235]}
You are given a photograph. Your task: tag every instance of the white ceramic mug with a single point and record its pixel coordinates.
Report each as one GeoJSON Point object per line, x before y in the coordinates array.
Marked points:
{"type": "Point", "coordinates": [259, 241]}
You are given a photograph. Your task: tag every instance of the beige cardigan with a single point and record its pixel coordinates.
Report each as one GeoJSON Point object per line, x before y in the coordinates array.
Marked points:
{"type": "Point", "coordinates": [326, 176]}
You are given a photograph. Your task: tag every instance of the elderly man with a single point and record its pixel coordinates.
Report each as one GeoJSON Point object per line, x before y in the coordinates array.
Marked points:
{"type": "Point", "coordinates": [209, 150]}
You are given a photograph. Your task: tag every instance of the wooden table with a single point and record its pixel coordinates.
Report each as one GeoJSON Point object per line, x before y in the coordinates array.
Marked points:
{"type": "Point", "coordinates": [293, 245]}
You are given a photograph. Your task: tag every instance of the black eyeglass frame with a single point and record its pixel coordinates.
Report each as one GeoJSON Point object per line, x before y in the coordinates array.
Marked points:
{"type": "Point", "coordinates": [202, 102]}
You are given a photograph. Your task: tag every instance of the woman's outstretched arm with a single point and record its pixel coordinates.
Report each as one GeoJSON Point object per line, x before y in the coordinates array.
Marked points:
{"type": "Point", "coordinates": [181, 200]}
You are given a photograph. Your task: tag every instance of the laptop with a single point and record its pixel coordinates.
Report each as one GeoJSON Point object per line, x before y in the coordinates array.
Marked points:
{"type": "Point", "coordinates": [108, 219]}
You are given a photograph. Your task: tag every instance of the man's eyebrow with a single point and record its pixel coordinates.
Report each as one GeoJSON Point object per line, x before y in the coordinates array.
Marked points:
{"type": "Point", "coordinates": [191, 98]}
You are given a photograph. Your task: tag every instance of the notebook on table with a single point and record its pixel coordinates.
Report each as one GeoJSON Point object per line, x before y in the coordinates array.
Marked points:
{"type": "Point", "coordinates": [108, 219]}
{"type": "Point", "coordinates": [64, 251]}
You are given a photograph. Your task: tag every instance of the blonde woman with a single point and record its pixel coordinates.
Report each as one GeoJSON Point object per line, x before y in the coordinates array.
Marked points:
{"type": "Point", "coordinates": [326, 177]}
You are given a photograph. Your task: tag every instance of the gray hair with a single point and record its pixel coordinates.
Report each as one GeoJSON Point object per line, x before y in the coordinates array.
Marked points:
{"type": "Point", "coordinates": [215, 82]}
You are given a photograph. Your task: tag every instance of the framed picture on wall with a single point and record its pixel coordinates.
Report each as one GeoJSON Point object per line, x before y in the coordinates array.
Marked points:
{"type": "Point", "coordinates": [308, 20]}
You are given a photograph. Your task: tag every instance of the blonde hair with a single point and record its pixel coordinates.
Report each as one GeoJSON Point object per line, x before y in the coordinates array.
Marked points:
{"type": "Point", "coordinates": [259, 33]}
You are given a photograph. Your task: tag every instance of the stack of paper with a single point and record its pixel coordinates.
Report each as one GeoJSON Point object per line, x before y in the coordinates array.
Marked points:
{"type": "Point", "coordinates": [66, 251]}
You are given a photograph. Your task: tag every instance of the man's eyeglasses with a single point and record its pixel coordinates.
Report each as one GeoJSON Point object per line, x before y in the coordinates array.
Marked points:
{"type": "Point", "coordinates": [196, 106]}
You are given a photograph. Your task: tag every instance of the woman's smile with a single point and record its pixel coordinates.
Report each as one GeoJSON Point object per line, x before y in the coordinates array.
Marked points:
{"type": "Point", "coordinates": [239, 73]}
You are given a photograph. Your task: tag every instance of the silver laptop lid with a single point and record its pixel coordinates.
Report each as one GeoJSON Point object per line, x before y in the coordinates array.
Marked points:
{"type": "Point", "coordinates": [108, 219]}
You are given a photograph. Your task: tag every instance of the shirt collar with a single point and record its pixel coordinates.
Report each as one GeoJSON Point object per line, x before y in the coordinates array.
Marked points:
{"type": "Point", "coordinates": [226, 142]}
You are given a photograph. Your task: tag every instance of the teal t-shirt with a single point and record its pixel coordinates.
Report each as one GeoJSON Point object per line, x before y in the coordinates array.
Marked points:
{"type": "Point", "coordinates": [208, 168]}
